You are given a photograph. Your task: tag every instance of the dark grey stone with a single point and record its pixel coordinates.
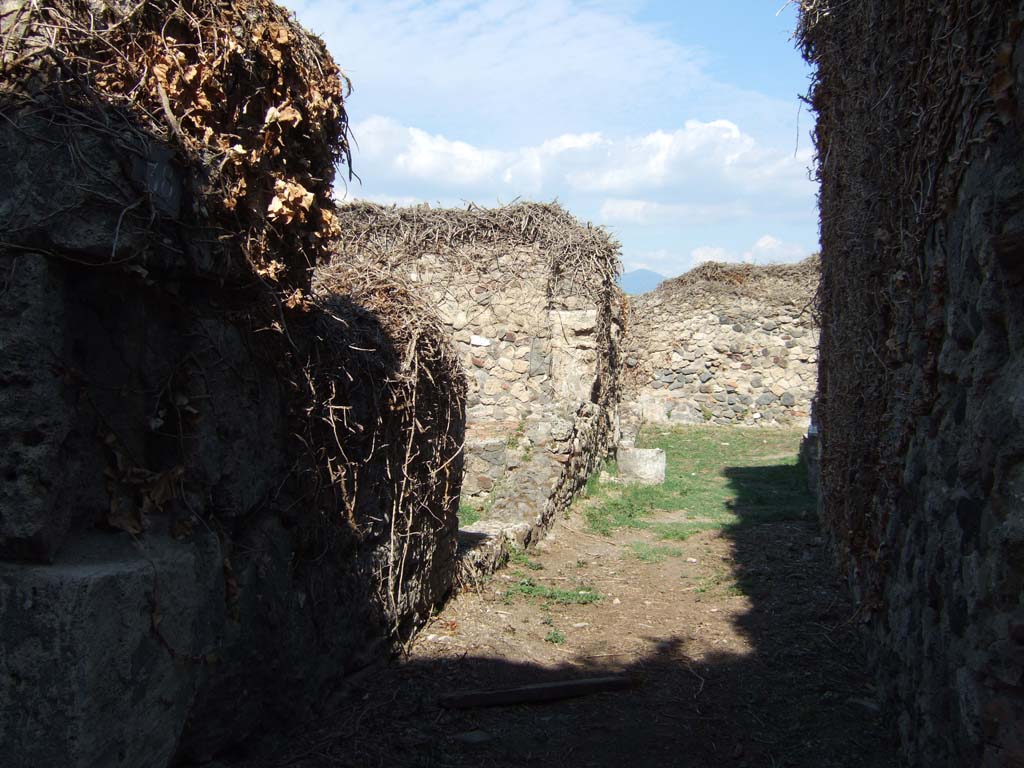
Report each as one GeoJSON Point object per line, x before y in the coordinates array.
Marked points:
{"type": "Point", "coordinates": [145, 398]}
{"type": "Point", "coordinates": [540, 362]}
{"type": "Point", "coordinates": [922, 453]}
{"type": "Point", "coordinates": [106, 612]}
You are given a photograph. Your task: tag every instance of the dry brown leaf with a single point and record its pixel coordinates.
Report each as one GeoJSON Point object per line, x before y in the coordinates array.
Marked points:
{"type": "Point", "coordinates": [124, 514]}
{"type": "Point", "coordinates": [272, 270]}
{"type": "Point", "coordinates": [330, 227]}
{"type": "Point", "coordinates": [160, 70]}
{"type": "Point", "coordinates": [290, 202]}
{"type": "Point", "coordinates": [286, 113]}
{"type": "Point", "coordinates": [279, 34]}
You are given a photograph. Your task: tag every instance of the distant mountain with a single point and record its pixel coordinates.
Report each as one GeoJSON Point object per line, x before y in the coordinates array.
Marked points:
{"type": "Point", "coordinates": [639, 281]}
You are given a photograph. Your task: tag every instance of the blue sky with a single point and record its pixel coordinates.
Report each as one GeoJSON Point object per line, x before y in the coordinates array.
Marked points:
{"type": "Point", "coordinates": [675, 124]}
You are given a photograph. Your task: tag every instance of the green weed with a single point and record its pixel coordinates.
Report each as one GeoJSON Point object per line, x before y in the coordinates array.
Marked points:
{"type": "Point", "coordinates": [519, 557]}
{"type": "Point", "coordinates": [468, 515]}
{"type": "Point", "coordinates": [652, 553]}
{"type": "Point", "coordinates": [554, 636]}
{"type": "Point", "coordinates": [581, 595]}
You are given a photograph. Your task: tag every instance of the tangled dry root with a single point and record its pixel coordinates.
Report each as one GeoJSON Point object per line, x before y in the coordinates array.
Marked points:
{"type": "Point", "coordinates": [251, 101]}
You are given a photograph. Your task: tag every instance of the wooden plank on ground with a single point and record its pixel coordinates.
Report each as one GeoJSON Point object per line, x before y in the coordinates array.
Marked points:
{"type": "Point", "coordinates": [536, 693]}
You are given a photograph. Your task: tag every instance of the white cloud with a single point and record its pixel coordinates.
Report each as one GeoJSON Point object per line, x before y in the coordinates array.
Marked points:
{"type": "Point", "coordinates": [768, 249]}
{"type": "Point", "coordinates": [507, 67]}
{"type": "Point", "coordinates": [417, 154]}
{"type": "Point", "coordinates": [709, 253]}
{"type": "Point", "coordinates": [714, 162]}
{"type": "Point", "coordinates": [771, 250]}
{"type": "Point", "coordinates": [660, 157]}
{"type": "Point", "coordinates": [532, 165]}
{"type": "Point", "coordinates": [621, 210]}
{"type": "Point", "coordinates": [702, 154]}
{"type": "Point", "coordinates": [429, 157]}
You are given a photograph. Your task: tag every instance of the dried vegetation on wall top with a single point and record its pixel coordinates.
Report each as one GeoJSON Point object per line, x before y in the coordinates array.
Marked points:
{"type": "Point", "coordinates": [249, 100]}
{"type": "Point", "coordinates": [580, 257]}
{"type": "Point", "coordinates": [773, 283]}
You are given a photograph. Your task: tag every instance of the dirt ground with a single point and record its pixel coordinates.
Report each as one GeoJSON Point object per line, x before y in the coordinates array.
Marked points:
{"type": "Point", "coordinates": [742, 646]}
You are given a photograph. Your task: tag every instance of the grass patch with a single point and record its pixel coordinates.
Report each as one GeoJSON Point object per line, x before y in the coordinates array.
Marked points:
{"type": "Point", "coordinates": [710, 582]}
{"type": "Point", "coordinates": [723, 584]}
{"type": "Point", "coordinates": [581, 595]}
{"type": "Point", "coordinates": [716, 478]}
{"type": "Point", "coordinates": [554, 636]}
{"type": "Point", "coordinates": [653, 553]}
{"type": "Point", "coordinates": [468, 515]}
{"type": "Point", "coordinates": [519, 557]}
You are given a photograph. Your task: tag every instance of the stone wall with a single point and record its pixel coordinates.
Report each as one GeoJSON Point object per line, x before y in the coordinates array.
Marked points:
{"type": "Point", "coordinates": [528, 295]}
{"type": "Point", "coordinates": [921, 391]}
{"type": "Point", "coordinates": [725, 344]}
{"type": "Point", "coordinates": [216, 500]}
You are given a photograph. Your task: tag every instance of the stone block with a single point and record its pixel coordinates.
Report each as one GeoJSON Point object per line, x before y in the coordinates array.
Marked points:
{"type": "Point", "coordinates": [34, 419]}
{"type": "Point", "coordinates": [102, 651]}
{"type": "Point", "coordinates": [645, 466]}
{"type": "Point", "coordinates": [540, 359]}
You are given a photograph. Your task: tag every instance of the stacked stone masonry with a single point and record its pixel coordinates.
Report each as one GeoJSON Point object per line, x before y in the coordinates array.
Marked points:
{"type": "Point", "coordinates": [540, 353]}
{"type": "Point", "coordinates": [920, 137]}
{"type": "Point", "coordinates": [186, 555]}
{"type": "Point", "coordinates": [724, 344]}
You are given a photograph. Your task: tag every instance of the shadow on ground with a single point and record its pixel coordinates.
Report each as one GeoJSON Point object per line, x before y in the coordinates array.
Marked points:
{"type": "Point", "coordinates": [800, 697]}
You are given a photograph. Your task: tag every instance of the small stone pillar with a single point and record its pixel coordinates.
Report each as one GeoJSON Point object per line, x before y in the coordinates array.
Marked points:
{"type": "Point", "coordinates": [641, 465]}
